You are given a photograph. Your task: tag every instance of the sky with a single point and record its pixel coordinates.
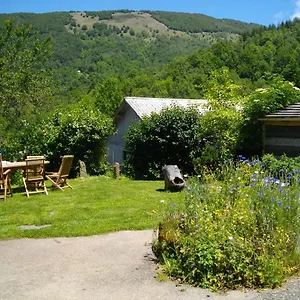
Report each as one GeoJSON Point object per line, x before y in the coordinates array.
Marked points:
{"type": "Point", "coordinates": [263, 12]}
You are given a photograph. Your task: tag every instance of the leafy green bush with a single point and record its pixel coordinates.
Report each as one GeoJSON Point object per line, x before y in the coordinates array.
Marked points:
{"type": "Point", "coordinates": [169, 137]}
{"type": "Point", "coordinates": [78, 131]}
{"type": "Point", "coordinates": [239, 232]}
{"type": "Point", "coordinates": [282, 167]}
{"type": "Point", "coordinates": [277, 95]}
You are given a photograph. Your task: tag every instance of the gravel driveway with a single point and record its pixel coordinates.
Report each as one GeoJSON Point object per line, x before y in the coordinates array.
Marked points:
{"type": "Point", "coordinates": [115, 266]}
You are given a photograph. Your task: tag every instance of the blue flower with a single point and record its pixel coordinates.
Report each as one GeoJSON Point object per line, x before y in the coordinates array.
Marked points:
{"type": "Point", "coordinates": [296, 171]}
{"type": "Point", "coordinates": [189, 188]}
{"type": "Point", "coordinates": [251, 184]}
{"type": "Point", "coordinates": [281, 170]}
{"type": "Point", "coordinates": [279, 203]}
{"type": "Point", "coordinates": [287, 207]}
{"type": "Point", "coordinates": [273, 199]}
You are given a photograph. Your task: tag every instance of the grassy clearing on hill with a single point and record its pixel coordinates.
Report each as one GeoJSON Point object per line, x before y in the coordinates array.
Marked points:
{"type": "Point", "coordinates": [96, 205]}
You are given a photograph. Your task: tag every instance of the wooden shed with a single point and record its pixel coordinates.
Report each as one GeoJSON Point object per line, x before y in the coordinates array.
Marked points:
{"type": "Point", "coordinates": [281, 132]}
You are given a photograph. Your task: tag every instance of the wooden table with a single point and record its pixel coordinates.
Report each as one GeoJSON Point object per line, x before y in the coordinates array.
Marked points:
{"type": "Point", "coordinates": [16, 165]}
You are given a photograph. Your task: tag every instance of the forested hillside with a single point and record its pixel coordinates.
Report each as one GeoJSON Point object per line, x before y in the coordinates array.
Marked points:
{"type": "Point", "coordinates": [274, 50]}
{"type": "Point", "coordinates": [63, 75]}
{"type": "Point", "coordinates": [89, 47]}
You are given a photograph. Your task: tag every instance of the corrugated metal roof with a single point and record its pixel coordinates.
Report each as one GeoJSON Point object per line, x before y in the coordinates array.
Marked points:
{"type": "Point", "coordinates": [146, 106]}
{"type": "Point", "coordinates": [290, 112]}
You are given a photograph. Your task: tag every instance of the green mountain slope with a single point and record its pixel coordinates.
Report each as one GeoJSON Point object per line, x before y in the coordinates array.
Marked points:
{"type": "Point", "coordinates": [91, 46]}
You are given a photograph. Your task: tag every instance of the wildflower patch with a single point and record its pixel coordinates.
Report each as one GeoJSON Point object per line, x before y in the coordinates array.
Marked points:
{"type": "Point", "coordinates": [241, 231]}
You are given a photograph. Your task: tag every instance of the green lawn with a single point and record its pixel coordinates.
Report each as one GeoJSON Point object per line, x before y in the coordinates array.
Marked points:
{"type": "Point", "coordinates": [96, 205]}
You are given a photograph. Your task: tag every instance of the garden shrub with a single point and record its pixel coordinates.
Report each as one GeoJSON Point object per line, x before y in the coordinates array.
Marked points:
{"type": "Point", "coordinates": [277, 95]}
{"type": "Point", "coordinates": [239, 232]}
{"type": "Point", "coordinates": [169, 137]}
{"type": "Point", "coordinates": [281, 167]}
{"type": "Point", "coordinates": [77, 131]}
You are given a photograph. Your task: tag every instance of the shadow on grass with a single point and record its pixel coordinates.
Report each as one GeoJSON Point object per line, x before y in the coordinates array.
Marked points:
{"type": "Point", "coordinates": [18, 190]}
{"type": "Point", "coordinates": [169, 190]}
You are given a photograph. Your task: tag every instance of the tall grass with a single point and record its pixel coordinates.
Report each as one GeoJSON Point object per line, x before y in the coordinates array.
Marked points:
{"type": "Point", "coordinates": [238, 227]}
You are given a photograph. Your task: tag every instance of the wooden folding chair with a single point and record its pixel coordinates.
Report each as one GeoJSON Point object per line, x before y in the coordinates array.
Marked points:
{"type": "Point", "coordinates": [5, 185]}
{"type": "Point", "coordinates": [34, 176]}
{"type": "Point", "coordinates": [35, 156]}
{"type": "Point", "coordinates": [59, 179]}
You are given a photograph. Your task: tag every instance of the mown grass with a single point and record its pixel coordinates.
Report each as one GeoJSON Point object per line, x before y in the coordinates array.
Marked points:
{"type": "Point", "coordinates": [96, 205]}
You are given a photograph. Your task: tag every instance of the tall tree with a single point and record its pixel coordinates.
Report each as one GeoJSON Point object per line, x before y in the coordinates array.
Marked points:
{"type": "Point", "coordinates": [25, 86]}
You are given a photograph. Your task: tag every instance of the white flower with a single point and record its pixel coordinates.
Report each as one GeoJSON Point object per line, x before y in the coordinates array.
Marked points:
{"type": "Point", "coordinates": [230, 238]}
{"type": "Point", "coordinates": [162, 201]}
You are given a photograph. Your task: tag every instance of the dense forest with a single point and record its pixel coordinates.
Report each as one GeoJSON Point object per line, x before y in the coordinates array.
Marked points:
{"type": "Point", "coordinates": [55, 66]}
{"type": "Point", "coordinates": [122, 44]}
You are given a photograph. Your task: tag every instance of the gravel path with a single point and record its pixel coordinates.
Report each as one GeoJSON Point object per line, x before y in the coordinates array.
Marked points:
{"type": "Point", "coordinates": [116, 266]}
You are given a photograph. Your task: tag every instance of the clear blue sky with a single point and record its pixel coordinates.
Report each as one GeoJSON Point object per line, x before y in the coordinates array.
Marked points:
{"type": "Point", "coordinates": [264, 12]}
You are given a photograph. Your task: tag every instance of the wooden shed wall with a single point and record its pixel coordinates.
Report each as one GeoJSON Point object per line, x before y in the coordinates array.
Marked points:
{"type": "Point", "coordinates": [280, 139]}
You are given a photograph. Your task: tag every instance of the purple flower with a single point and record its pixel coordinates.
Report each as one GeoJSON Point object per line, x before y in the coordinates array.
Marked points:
{"type": "Point", "coordinates": [281, 170]}
{"type": "Point", "coordinates": [279, 203]}
{"type": "Point", "coordinates": [296, 171]}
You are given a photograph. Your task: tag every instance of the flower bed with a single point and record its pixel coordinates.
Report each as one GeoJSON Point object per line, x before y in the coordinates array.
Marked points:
{"type": "Point", "coordinates": [239, 227]}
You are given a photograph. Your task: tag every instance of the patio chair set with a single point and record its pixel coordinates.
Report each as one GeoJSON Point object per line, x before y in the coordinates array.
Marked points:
{"type": "Point", "coordinates": [34, 175]}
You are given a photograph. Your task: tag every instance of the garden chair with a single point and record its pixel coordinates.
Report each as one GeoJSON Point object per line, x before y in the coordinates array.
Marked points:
{"type": "Point", "coordinates": [59, 179]}
{"type": "Point", "coordinates": [34, 176]}
{"type": "Point", "coordinates": [5, 185]}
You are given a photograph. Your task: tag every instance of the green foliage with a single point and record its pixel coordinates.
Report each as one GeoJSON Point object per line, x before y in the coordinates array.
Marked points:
{"type": "Point", "coordinates": [83, 133]}
{"type": "Point", "coordinates": [107, 96]}
{"type": "Point", "coordinates": [239, 232]}
{"type": "Point", "coordinates": [25, 85]}
{"type": "Point", "coordinates": [275, 96]}
{"type": "Point", "coordinates": [282, 167]}
{"type": "Point", "coordinates": [162, 139]}
{"type": "Point", "coordinates": [101, 52]}
{"type": "Point", "coordinates": [79, 131]}
{"type": "Point", "coordinates": [199, 22]}
{"type": "Point", "coordinates": [220, 126]}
